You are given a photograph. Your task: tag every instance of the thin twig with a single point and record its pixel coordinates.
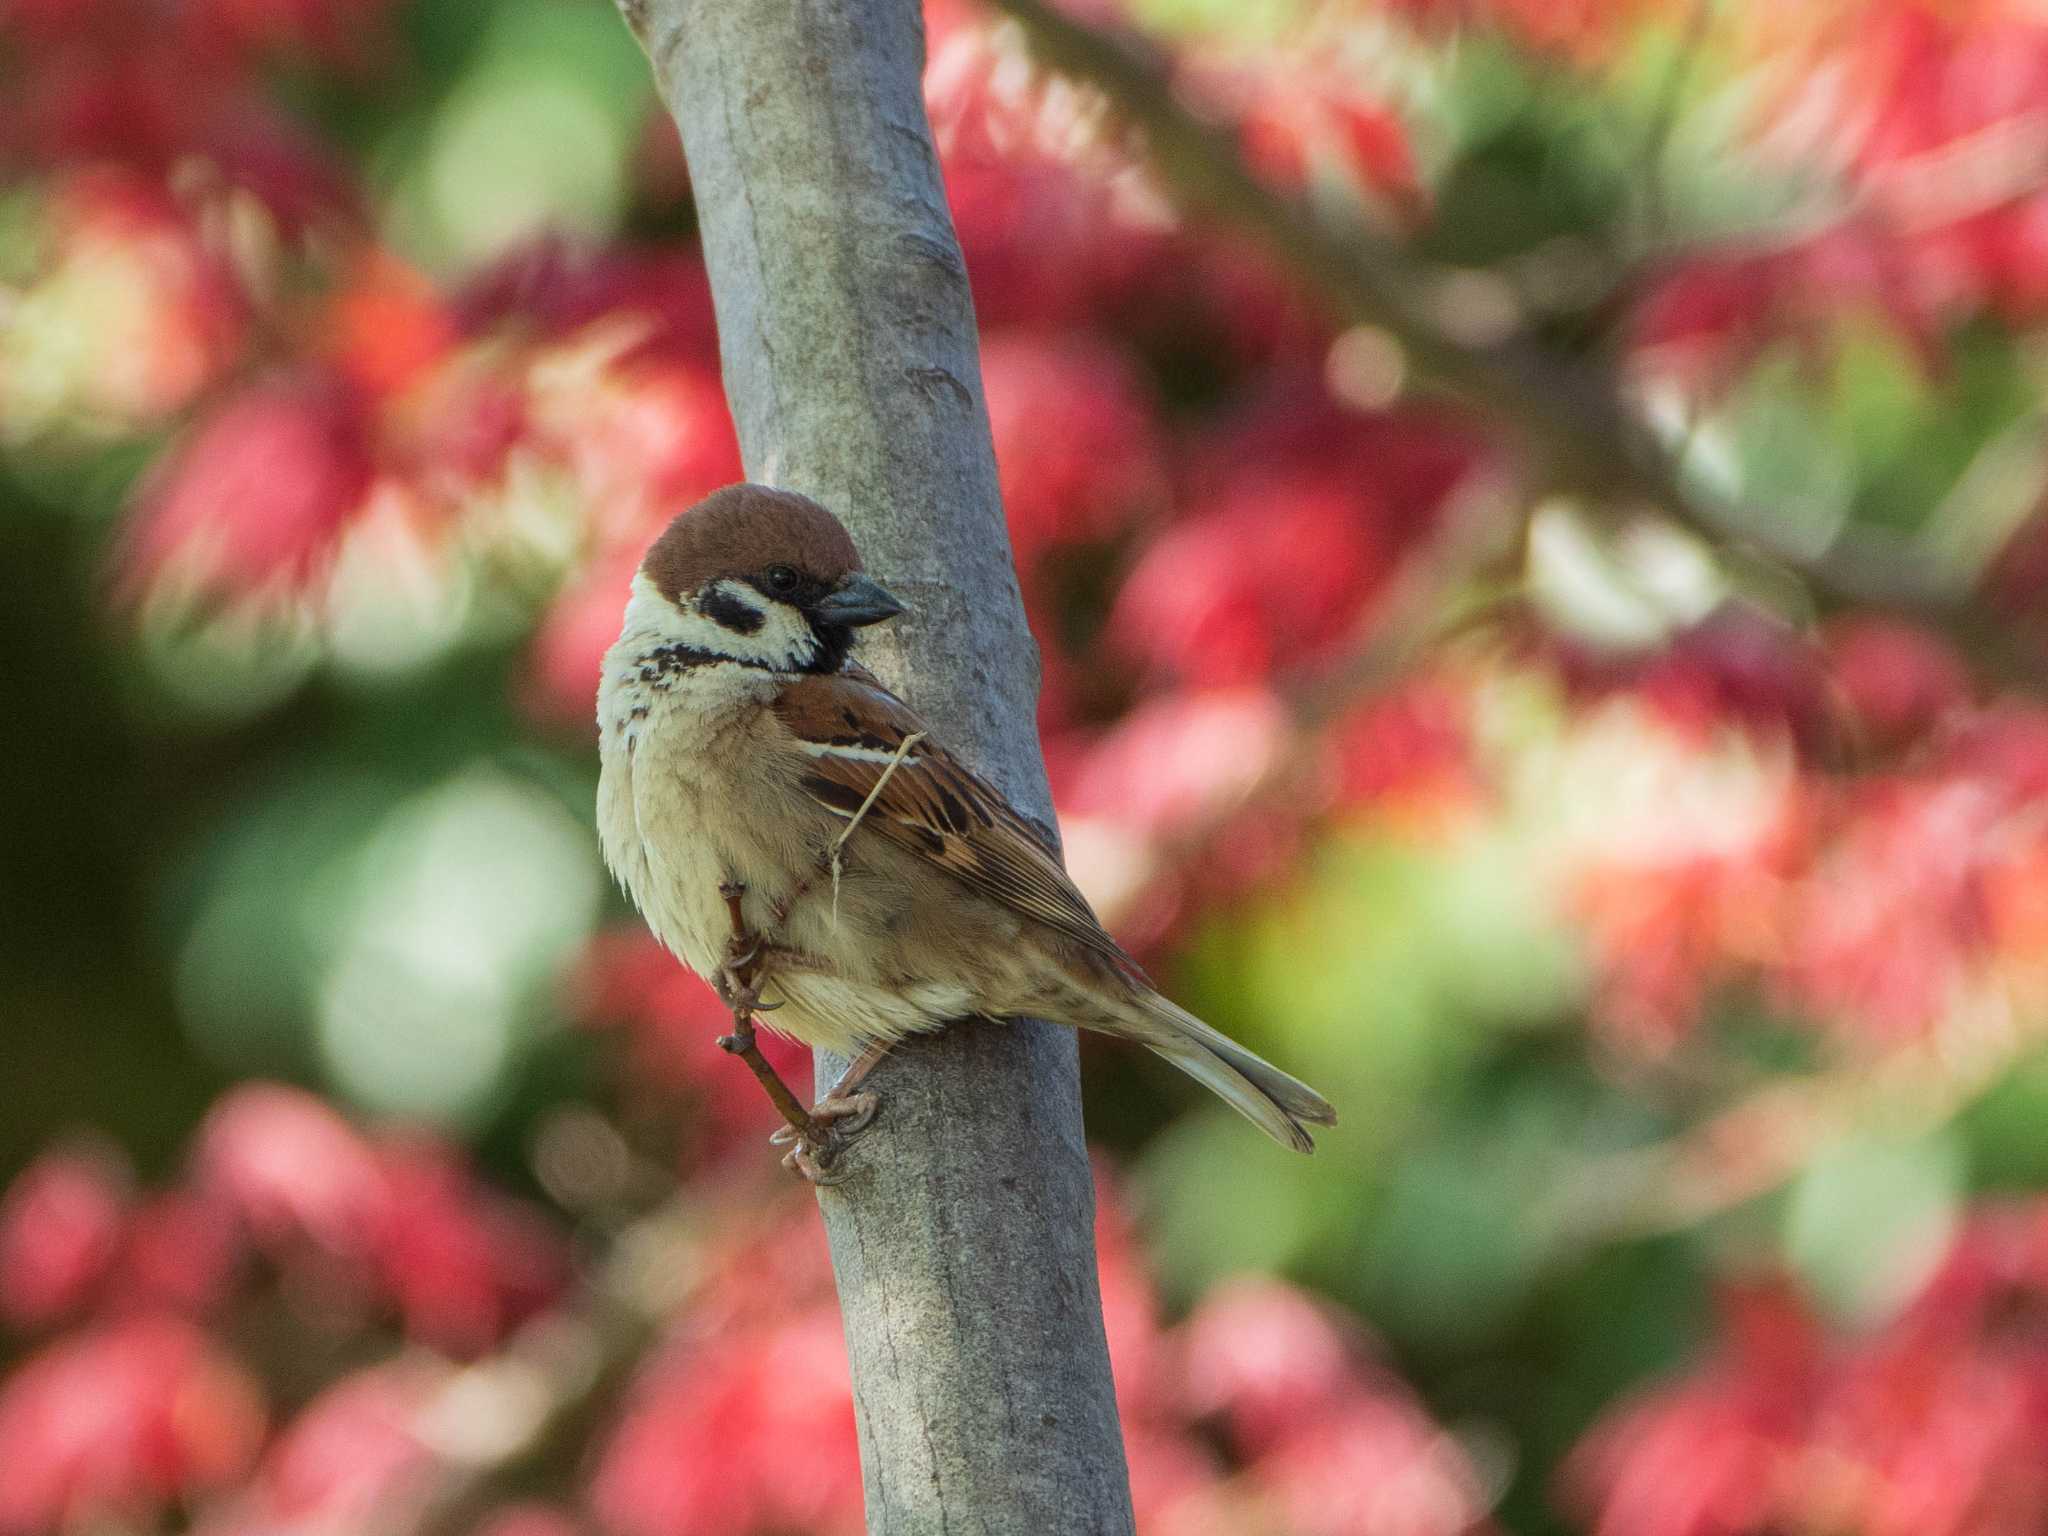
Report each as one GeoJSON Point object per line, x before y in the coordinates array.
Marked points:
{"type": "Point", "coordinates": [1567, 410]}
{"type": "Point", "coordinates": [882, 783]}
{"type": "Point", "coordinates": [1762, 1141]}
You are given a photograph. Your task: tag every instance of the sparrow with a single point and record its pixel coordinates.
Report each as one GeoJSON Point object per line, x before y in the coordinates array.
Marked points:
{"type": "Point", "coordinates": [799, 837]}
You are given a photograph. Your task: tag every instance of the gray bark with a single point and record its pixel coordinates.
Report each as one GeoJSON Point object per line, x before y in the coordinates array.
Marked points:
{"type": "Point", "coordinates": [963, 1243]}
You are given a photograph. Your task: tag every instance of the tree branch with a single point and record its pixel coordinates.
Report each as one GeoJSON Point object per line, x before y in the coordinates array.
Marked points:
{"type": "Point", "coordinates": [963, 1243]}
{"type": "Point", "coordinates": [1566, 411]}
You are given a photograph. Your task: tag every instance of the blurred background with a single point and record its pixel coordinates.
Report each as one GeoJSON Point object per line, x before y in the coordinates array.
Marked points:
{"type": "Point", "coordinates": [1542, 565]}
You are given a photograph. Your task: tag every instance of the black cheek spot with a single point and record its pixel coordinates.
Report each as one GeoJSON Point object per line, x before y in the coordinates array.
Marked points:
{"type": "Point", "coordinates": [728, 611]}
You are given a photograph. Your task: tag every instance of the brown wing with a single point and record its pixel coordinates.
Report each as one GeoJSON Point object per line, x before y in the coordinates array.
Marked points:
{"type": "Point", "coordinates": [854, 731]}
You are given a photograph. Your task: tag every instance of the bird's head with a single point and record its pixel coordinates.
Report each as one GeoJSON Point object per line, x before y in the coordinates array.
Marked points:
{"type": "Point", "coordinates": [763, 577]}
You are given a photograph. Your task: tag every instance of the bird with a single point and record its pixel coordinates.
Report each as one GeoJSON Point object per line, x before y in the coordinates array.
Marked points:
{"type": "Point", "coordinates": [798, 835]}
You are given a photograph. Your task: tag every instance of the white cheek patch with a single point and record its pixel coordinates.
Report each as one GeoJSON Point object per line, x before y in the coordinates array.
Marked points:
{"type": "Point", "coordinates": [729, 618]}
{"type": "Point", "coordinates": [750, 627]}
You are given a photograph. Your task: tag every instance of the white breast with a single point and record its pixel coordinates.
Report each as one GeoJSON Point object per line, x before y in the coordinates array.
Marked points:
{"type": "Point", "coordinates": [672, 745]}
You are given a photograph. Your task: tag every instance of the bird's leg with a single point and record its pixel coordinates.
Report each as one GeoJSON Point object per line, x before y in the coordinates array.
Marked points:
{"type": "Point", "coordinates": [816, 1139]}
{"type": "Point", "coordinates": [743, 1043]}
{"type": "Point", "coordinates": [739, 986]}
{"type": "Point", "coordinates": [738, 982]}
{"type": "Point", "coordinates": [846, 1110]}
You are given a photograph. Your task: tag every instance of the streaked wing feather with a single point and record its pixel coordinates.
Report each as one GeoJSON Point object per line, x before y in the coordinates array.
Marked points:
{"type": "Point", "coordinates": [931, 803]}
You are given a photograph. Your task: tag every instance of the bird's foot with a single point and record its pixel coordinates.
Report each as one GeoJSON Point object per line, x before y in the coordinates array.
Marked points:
{"type": "Point", "coordinates": [738, 984]}
{"type": "Point", "coordinates": [738, 978]}
{"type": "Point", "coordinates": [834, 1121]}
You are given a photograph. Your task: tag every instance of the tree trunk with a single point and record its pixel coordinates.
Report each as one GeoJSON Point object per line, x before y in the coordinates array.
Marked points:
{"type": "Point", "coordinates": [963, 1242]}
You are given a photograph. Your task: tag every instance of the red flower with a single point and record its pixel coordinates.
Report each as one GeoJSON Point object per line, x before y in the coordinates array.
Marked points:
{"type": "Point", "coordinates": [254, 501]}
{"type": "Point", "coordinates": [463, 1265]}
{"type": "Point", "coordinates": [1302, 119]}
{"type": "Point", "coordinates": [705, 1449]}
{"type": "Point", "coordinates": [1273, 575]}
{"type": "Point", "coordinates": [643, 435]}
{"type": "Point", "coordinates": [1409, 753]}
{"type": "Point", "coordinates": [558, 289]}
{"type": "Point", "coordinates": [182, 1254]}
{"type": "Point", "coordinates": [2006, 748]}
{"type": "Point", "coordinates": [1891, 923]}
{"type": "Point", "coordinates": [1268, 1359]}
{"type": "Point", "coordinates": [1178, 763]}
{"type": "Point", "coordinates": [352, 1459]}
{"type": "Point", "coordinates": [1898, 681]}
{"type": "Point", "coordinates": [1130, 1309]}
{"type": "Point", "coordinates": [1946, 154]}
{"type": "Point", "coordinates": [385, 326]}
{"type": "Point", "coordinates": [1709, 317]}
{"type": "Point", "coordinates": [1739, 666]}
{"type": "Point", "coordinates": [1376, 1467]}
{"type": "Point", "coordinates": [1050, 226]}
{"type": "Point", "coordinates": [60, 1228]}
{"type": "Point", "coordinates": [342, 34]}
{"type": "Point", "coordinates": [294, 1171]}
{"type": "Point", "coordinates": [568, 649]}
{"type": "Point", "coordinates": [1928, 1426]}
{"type": "Point", "coordinates": [1076, 442]}
{"type": "Point", "coordinates": [112, 1425]}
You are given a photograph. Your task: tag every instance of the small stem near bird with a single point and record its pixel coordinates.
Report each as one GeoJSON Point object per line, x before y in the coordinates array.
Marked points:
{"type": "Point", "coordinates": [882, 783]}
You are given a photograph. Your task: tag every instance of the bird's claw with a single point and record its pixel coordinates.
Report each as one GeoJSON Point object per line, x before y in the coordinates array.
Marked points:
{"type": "Point", "coordinates": [814, 1167]}
{"type": "Point", "coordinates": [742, 997]}
{"type": "Point", "coordinates": [845, 1116]}
{"type": "Point", "coordinates": [835, 1120]}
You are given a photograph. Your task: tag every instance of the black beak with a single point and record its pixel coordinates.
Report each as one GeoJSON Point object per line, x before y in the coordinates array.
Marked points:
{"type": "Point", "coordinates": [857, 600]}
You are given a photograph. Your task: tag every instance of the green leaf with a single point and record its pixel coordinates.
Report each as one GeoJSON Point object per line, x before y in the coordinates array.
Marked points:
{"type": "Point", "coordinates": [1869, 1218]}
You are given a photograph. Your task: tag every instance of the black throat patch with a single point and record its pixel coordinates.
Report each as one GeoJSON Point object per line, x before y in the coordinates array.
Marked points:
{"type": "Point", "coordinates": [666, 662]}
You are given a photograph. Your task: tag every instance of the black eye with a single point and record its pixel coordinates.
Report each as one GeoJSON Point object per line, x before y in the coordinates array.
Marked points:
{"type": "Point", "coordinates": [781, 579]}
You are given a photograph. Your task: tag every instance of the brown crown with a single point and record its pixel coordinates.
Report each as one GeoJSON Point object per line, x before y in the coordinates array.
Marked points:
{"type": "Point", "coordinates": [742, 530]}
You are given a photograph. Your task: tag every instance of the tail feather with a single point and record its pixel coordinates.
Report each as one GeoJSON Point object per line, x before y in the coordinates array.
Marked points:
{"type": "Point", "coordinates": [1283, 1107]}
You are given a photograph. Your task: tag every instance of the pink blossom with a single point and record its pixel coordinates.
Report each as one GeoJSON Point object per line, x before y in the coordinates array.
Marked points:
{"type": "Point", "coordinates": [671, 1021]}
{"type": "Point", "coordinates": [568, 649]}
{"type": "Point", "coordinates": [1408, 753]}
{"type": "Point", "coordinates": [293, 1170]}
{"type": "Point", "coordinates": [255, 500]}
{"type": "Point", "coordinates": [463, 1264]}
{"type": "Point", "coordinates": [183, 1253]}
{"type": "Point", "coordinates": [61, 1226]}
{"type": "Point", "coordinates": [1897, 681]}
{"type": "Point", "coordinates": [705, 1449]}
{"type": "Point", "coordinates": [115, 1423]}
{"type": "Point", "coordinates": [1178, 763]}
{"type": "Point", "coordinates": [351, 1459]}
{"type": "Point", "coordinates": [1076, 444]}
{"type": "Point", "coordinates": [1277, 572]}
{"type": "Point", "coordinates": [1268, 1359]}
